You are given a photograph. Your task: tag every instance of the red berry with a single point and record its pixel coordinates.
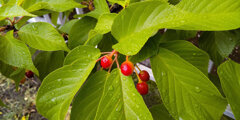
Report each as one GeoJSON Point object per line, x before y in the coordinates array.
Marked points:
{"type": "Point", "coordinates": [142, 88]}
{"type": "Point", "coordinates": [127, 68]}
{"type": "Point", "coordinates": [29, 74]}
{"type": "Point", "coordinates": [144, 76]}
{"type": "Point", "coordinates": [106, 61]}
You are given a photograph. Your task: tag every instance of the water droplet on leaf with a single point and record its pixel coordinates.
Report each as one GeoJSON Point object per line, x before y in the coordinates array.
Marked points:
{"type": "Point", "coordinates": [197, 89]}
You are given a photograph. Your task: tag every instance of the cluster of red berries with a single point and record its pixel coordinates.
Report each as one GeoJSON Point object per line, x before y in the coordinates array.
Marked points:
{"type": "Point", "coordinates": [127, 68]}
{"type": "Point", "coordinates": [142, 86]}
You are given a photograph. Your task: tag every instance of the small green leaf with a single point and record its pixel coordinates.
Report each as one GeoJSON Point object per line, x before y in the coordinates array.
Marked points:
{"type": "Point", "coordinates": [120, 100]}
{"type": "Point", "coordinates": [89, 96]}
{"type": "Point", "coordinates": [208, 44]}
{"type": "Point", "coordinates": [93, 38]}
{"type": "Point", "coordinates": [230, 80]}
{"type": "Point", "coordinates": [216, 81]}
{"type": "Point", "coordinates": [218, 44]}
{"type": "Point", "coordinates": [148, 50]}
{"type": "Point", "coordinates": [42, 36]}
{"type": "Point", "coordinates": [101, 7]}
{"type": "Point", "coordinates": [54, 5]}
{"type": "Point", "coordinates": [190, 53]}
{"type": "Point", "coordinates": [123, 3]}
{"type": "Point", "coordinates": [159, 112]}
{"type": "Point", "coordinates": [46, 62]}
{"type": "Point", "coordinates": [14, 52]}
{"type": "Point", "coordinates": [68, 26]}
{"type": "Point", "coordinates": [17, 76]}
{"type": "Point", "coordinates": [54, 17]}
{"type": "Point", "coordinates": [103, 26]}
{"type": "Point", "coordinates": [186, 92]}
{"type": "Point", "coordinates": [107, 42]}
{"type": "Point", "coordinates": [78, 35]}
{"type": "Point", "coordinates": [13, 11]}
{"type": "Point", "coordinates": [135, 24]}
{"type": "Point", "coordinates": [5, 69]}
{"type": "Point", "coordinates": [60, 86]}
{"type": "Point", "coordinates": [105, 22]}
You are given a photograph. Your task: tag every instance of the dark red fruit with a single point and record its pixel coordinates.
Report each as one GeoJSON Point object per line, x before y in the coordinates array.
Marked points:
{"type": "Point", "coordinates": [29, 74]}
{"type": "Point", "coordinates": [106, 61]}
{"type": "Point", "coordinates": [127, 68]}
{"type": "Point", "coordinates": [144, 76]}
{"type": "Point", "coordinates": [142, 88]}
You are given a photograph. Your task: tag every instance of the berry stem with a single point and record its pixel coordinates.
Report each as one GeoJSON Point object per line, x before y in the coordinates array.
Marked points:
{"type": "Point", "coordinates": [105, 53]}
{"type": "Point", "coordinates": [126, 58]}
{"type": "Point", "coordinates": [117, 61]}
{"type": "Point", "coordinates": [109, 70]}
{"type": "Point", "coordinates": [112, 53]}
{"type": "Point", "coordinates": [19, 20]}
{"type": "Point", "coordinates": [139, 80]}
{"type": "Point", "coordinates": [138, 68]}
{"type": "Point", "coordinates": [99, 59]}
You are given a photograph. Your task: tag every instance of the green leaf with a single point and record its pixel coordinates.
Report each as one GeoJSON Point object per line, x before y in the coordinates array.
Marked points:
{"type": "Point", "coordinates": [218, 44]}
{"type": "Point", "coordinates": [59, 87]}
{"type": "Point", "coordinates": [186, 92]}
{"type": "Point", "coordinates": [103, 26]}
{"type": "Point", "coordinates": [17, 76]}
{"type": "Point", "coordinates": [78, 35]}
{"type": "Point", "coordinates": [106, 43]}
{"type": "Point", "coordinates": [216, 81]}
{"type": "Point", "coordinates": [105, 22]}
{"type": "Point", "coordinates": [230, 80]}
{"type": "Point", "coordinates": [120, 100]}
{"type": "Point", "coordinates": [54, 5]}
{"type": "Point", "coordinates": [148, 50]}
{"type": "Point", "coordinates": [46, 62]}
{"type": "Point", "coordinates": [101, 7]}
{"type": "Point", "coordinates": [93, 38]}
{"type": "Point", "coordinates": [190, 53]}
{"type": "Point", "coordinates": [208, 44]}
{"type": "Point", "coordinates": [134, 25]}
{"type": "Point", "coordinates": [15, 53]}
{"type": "Point", "coordinates": [13, 11]}
{"type": "Point", "coordinates": [159, 112]}
{"type": "Point", "coordinates": [22, 22]}
{"type": "Point", "coordinates": [123, 3]}
{"type": "Point", "coordinates": [54, 17]}
{"type": "Point", "coordinates": [68, 26]}
{"type": "Point", "coordinates": [89, 96]}
{"type": "Point", "coordinates": [5, 69]}
{"type": "Point", "coordinates": [42, 36]}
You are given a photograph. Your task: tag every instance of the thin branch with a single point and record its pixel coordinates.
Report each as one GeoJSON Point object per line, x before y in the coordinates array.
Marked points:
{"type": "Point", "coordinates": [10, 20]}
{"type": "Point", "coordinates": [112, 64]}
{"type": "Point", "coordinates": [19, 20]}
{"type": "Point", "coordinates": [117, 61]}
{"type": "Point", "coordinates": [105, 53]}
